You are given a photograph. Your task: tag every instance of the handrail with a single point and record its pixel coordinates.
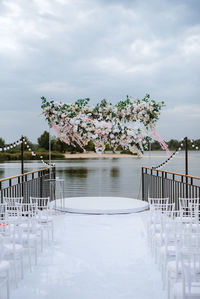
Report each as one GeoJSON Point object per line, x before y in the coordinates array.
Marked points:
{"type": "Point", "coordinates": [158, 183]}
{"type": "Point", "coordinates": [26, 173]}
{"type": "Point", "coordinates": [175, 173]}
{"type": "Point", "coordinates": [33, 183]}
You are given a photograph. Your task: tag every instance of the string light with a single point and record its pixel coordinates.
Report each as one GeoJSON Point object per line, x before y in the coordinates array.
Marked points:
{"type": "Point", "coordinates": [18, 142]}
{"type": "Point", "coordinates": [10, 146]}
{"type": "Point", "coordinates": [176, 152]}
{"type": "Point", "coordinates": [35, 155]}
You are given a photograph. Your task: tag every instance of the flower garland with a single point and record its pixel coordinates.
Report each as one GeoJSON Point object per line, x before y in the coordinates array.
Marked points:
{"type": "Point", "coordinates": [125, 124]}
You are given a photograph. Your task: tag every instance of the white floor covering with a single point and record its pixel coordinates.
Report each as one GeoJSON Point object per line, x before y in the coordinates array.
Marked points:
{"type": "Point", "coordinates": [95, 257]}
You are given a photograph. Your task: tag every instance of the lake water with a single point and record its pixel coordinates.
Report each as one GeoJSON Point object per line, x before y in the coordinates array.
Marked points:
{"type": "Point", "coordinates": [106, 177]}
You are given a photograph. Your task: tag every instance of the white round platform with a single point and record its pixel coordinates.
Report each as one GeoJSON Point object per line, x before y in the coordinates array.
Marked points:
{"type": "Point", "coordinates": [101, 205]}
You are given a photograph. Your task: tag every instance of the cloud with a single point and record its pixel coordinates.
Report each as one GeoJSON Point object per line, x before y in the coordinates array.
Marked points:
{"type": "Point", "coordinates": [179, 117]}
{"type": "Point", "coordinates": [99, 49]}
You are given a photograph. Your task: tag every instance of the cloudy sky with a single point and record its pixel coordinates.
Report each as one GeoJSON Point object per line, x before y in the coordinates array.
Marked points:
{"type": "Point", "coordinates": [70, 49]}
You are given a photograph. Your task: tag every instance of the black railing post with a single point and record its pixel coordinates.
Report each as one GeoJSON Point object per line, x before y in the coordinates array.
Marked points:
{"type": "Point", "coordinates": [163, 185]}
{"type": "Point", "coordinates": [22, 155]}
{"type": "Point", "coordinates": [41, 183]}
{"type": "Point", "coordinates": [186, 156]}
{"type": "Point", "coordinates": [186, 165]}
{"type": "Point", "coordinates": [142, 184]}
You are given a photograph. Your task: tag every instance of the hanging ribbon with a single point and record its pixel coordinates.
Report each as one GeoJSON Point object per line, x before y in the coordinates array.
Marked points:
{"type": "Point", "coordinates": [57, 131]}
{"type": "Point", "coordinates": [162, 143]}
{"type": "Point", "coordinates": [73, 136]}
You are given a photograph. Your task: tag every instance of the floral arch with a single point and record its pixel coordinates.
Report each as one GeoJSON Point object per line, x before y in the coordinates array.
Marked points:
{"type": "Point", "coordinates": [126, 124]}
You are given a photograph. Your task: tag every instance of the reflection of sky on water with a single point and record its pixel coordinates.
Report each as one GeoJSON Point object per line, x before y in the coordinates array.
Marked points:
{"type": "Point", "coordinates": [106, 177]}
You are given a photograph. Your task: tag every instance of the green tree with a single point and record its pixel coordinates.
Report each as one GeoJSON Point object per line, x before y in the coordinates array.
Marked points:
{"type": "Point", "coordinates": [90, 146]}
{"type": "Point", "coordinates": [43, 140]}
{"type": "Point", "coordinates": [2, 142]}
{"type": "Point", "coordinates": [155, 145]}
{"type": "Point", "coordinates": [60, 146]}
{"type": "Point", "coordinates": [173, 144]}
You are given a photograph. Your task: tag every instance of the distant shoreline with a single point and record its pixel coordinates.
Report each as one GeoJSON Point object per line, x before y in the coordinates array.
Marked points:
{"type": "Point", "coordinates": [95, 155]}
{"type": "Point", "coordinates": [92, 155]}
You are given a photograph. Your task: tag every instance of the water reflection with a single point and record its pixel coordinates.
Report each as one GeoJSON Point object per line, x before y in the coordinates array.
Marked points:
{"type": "Point", "coordinates": [105, 177]}
{"type": "Point", "coordinates": [81, 172]}
{"type": "Point", "coordinates": [2, 171]}
{"type": "Point", "coordinates": [115, 172]}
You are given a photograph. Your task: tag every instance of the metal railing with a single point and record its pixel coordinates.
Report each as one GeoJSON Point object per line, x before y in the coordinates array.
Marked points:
{"type": "Point", "coordinates": [38, 183]}
{"type": "Point", "coordinates": [159, 184]}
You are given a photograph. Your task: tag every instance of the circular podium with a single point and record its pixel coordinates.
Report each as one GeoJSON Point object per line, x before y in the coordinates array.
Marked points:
{"type": "Point", "coordinates": [101, 205]}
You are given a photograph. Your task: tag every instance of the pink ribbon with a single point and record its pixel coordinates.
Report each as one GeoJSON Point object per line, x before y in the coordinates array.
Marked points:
{"type": "Point", "coordinates": [57, 131]}
{"type": "Point", "coordinates": [162, 143]}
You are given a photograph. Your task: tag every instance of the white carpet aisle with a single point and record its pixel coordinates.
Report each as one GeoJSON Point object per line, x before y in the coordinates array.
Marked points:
{"type": "Point", "coordinates": [94, 257]}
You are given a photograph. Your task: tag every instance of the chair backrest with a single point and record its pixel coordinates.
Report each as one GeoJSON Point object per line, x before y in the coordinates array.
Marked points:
{"type": "Point", "coordinates": [158, 201]}
{"type": "Point", "coordinates": [2, 248]}
{"type": "Point", "coordinates": [43, 203]}
{"type": "Point", "coordinates": [12, 200]}
{"type": "Point", "coordinates": [185, 202]}
{"type": "Point", "coordinates": [10, 210]}
{"type": "Point", "coordinates": [195, 211]}
{"type": "Point", "coordinates": [5, 224]}
{"type": "Point", "coordinates": [3, 211]}
{"type": "Point", "coordinates": [190, 262]}
{"type": "Point", "coordinates": [27, 209]}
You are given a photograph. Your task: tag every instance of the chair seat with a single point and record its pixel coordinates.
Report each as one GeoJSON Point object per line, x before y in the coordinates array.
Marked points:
{"type": "Point", "coordinates": [25, 238]}
{"type": "Point", "coordinates": [45, 219]}
{"type": "Point", "coordinates": [4, 266]}
{"type": "Point", "coordinates": [156, 228]}
{"type": "Point", "coordinates": [171, 250]}
{"type": "Point", "coordinates": [29, 237]}
{"type": "Point", "coordinates": [185, 219]}
{"type": "Point", "coordinates": [27, 227]}
{"type": "Point", "coordinates": [9, 248]}
{"type": "Point", "coordinates": [195, 290]}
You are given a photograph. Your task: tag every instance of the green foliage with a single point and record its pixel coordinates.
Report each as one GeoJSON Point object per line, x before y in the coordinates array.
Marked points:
{"type": "Point", "coordinates": [127, 152]}
{"type": "Point", "coordinates": [174, 144]}
{"type": "Point", "coordinates": [43, 140]}
{"type": "Point", "coordinates": [90, 146]}
{"type": "Point", "coordinates": [155, 146]}
{"type": "Point", "coordinates": [6, 156]}
{"type": "Point", "coordinates": [82, 102]}
{"type": "Point", "coordinates": [2, 142]}
{"type": "Point", "coordinates": [59, 146]}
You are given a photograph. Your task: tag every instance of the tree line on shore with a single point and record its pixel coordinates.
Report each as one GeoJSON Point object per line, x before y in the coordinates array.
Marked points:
{"type": "Point", "coordinates": [59, 148]}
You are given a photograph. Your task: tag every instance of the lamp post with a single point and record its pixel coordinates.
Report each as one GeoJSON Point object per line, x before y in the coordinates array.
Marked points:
{"type": "Point", "coordinates": [186, 156]}
{"type": "Point", "coordinates": [22, 155]}
{"type": "Point", "coordinates": [186, 164]}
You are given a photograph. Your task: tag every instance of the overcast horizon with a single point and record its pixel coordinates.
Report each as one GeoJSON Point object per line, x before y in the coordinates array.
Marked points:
{"type": "Point", "coordinates": [99, 49]}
